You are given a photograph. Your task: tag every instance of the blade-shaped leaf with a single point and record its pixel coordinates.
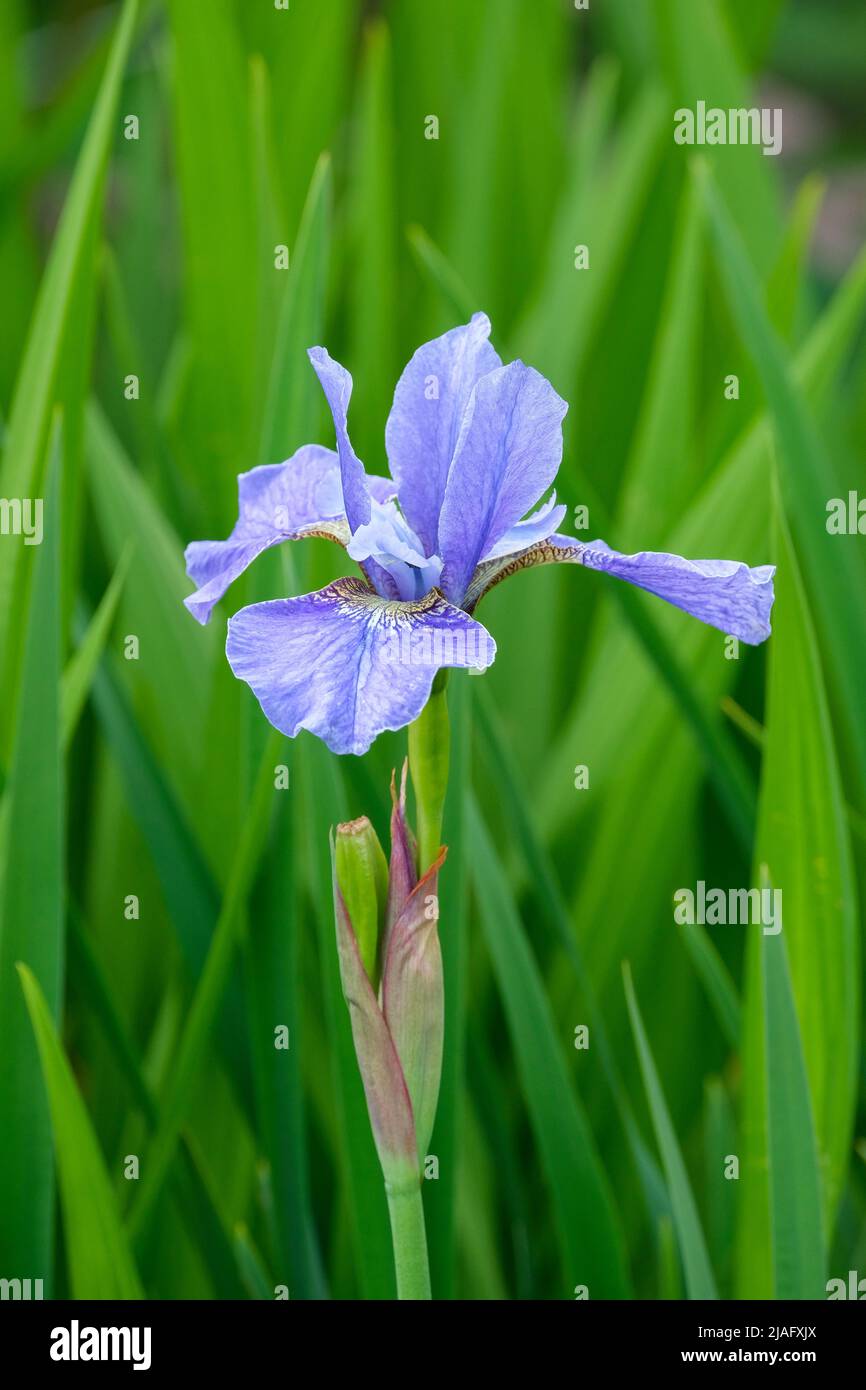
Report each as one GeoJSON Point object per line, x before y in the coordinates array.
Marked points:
{"type": "Point", "coordinates": [31, 909]}
{"type": "Point", "coordinates": [29, 420]}
{"type": "Point", "coordinates": [100, 1264]}
{"type": "Point", "coordinates": [696, 1262]}
{"type": "Point", "coordinates": [587, 1224]}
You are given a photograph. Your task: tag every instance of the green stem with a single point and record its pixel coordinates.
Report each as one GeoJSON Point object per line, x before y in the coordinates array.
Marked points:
{"type": "Point", "coordinates": [429, 744]}
{"type": "Point", "coordinates": [409, 1238]}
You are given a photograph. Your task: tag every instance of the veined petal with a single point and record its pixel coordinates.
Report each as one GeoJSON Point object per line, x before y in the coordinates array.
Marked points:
{"type": "Point", "coordinates": [507, 455]}
{"type": "Point", "coordinates": [346, 664]}
{"type": "Point", "coordinates": [358, 489]}
{"type": "Point", "coordinates": [536, 527]}
{"type": "Point", "coordinates": [725, 594]}
{"type": "Point", "coordinates": [413, 1001]}
{"type": "Point", "coordinates": [277, 502]}
{"type": "Point", "coordinates": [424, 423]}
{"type": "Point", "coordinates": [337, 386]}
{"type": "Point", "coordinates": [388, 1102]}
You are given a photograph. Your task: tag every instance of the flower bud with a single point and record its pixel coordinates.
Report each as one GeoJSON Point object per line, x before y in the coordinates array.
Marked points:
{"type": "Point", "coordinates": [362, 876]}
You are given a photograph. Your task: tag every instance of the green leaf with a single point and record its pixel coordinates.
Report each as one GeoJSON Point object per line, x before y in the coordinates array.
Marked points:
{"type": "Point", "coordinates": [701, 63]}
{"type": "Point", "coordinates": [716, 980]}
{"type": "Point", "coordinates": [174, 652]}
{"type": "Point", "coordinates": [803, 849]}
{"type": "Point", "coordinates": [565, 320]}
{"type": "Point", "coordinates": [20, 475]}
{"type": "Point", "coordinates": [100, 1264]}
{"type": "Point", "coordinates": [32, 892]}
{"type": "Point", "coordinates": [548, 894]}
{"type": "Point", "coordinates": [252, 1270]}
{"type": "Point", "coordinates": [783, 1170]}
{"type": "Point", "coordinates": [795, 1200]}
{"type": "Point", "coordinates": [294, 394]}
{"type": "Point", "coordinates": [786, 284]}
{"type": "Point", "coordinates": [215, 174]}
{"type": "Point", "coordinates": [696, 1262]}
{"type": "Point", "coordinates": [721, 1142]}
{"type": "Point", "coordinates": [372, 271]}
{"type": "Point", "coordinates": [209, 994]}
{"type": "Point", "coordinates": [587, 1224]}
{"type": "Point", "coordinates": [803, 839]}
{"type": "Point", "coordinates": [82, 666]}
{"type": "Point", "coordinates": [193, 1198]}
{"type": "Point", "coordinates": [660, 473]}
{"type": "Point", "coordinates": [456, 297]}
{"type": "Point", "coordinates": [272, 957]}
{"type": "Point", "coordinates": [191, 895]}
{"type": "Point", "coordinates": [833, 565]}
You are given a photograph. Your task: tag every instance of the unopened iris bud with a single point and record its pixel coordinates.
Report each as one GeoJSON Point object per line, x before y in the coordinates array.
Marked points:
{"type": "Point", "coordinates": [397, 1028]}
{"type": "Point", "coordinates": [362, 876]}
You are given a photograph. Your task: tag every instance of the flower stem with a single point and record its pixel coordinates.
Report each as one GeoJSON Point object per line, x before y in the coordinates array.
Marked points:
{"type": "Point", "coordinates": [409, 1238]}
{"type": "Point", "coordinates": [429, 744]}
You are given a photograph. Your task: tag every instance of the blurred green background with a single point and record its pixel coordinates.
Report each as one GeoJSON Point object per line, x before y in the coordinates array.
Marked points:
{"type": "Point", "coordinates": [172, 908]}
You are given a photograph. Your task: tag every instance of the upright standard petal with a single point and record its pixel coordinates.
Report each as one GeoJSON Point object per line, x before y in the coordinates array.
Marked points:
{"type": "Point", "coordinates": [337, 386]}
{"type": "Point", "coordinates": [277, 502]}
{"type": "Point", "coordinates": [424, 424]}
{"type": "Point", "coordinates": [722, 593]}
{"type": "Point", "coordinates": [507, 455]}
{"type": "Point", "coordinates": [346, 664]}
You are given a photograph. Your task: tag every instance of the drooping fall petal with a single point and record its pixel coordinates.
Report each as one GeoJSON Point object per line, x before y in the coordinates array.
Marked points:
{"type": "Point", "coordinates": [345, 663]}
{"type": "Point", "coordinates": [725, 594]}
{"type": "Point", "coordinates": [277, 502]}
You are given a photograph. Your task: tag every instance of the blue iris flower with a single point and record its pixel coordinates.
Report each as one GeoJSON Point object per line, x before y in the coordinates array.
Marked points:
{"type": "Point", "coordinates": [472, 447]}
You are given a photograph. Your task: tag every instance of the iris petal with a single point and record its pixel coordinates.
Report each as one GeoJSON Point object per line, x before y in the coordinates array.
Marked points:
{"type": "Point", "coordinates": [357, 487]}
{"type": "Point", "coordinates": [722, 593]}
{"type": "Point", "coordinates": [536, 527]}
{"type": "Point", "coordinates": [507, 455]}
{"type": "Point", "coordinates": [346, 664]}
{"type": "Point", "coordinates": [277, 502]}
{"type": "Point", "coordinates": [424, 423]}
{"type": "Point", "coordinates": [390, 541]}
{"type": "Point", "coordinates": [337, 386]}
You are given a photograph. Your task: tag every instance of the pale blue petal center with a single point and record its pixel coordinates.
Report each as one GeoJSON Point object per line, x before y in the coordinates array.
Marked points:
{"type": "Point", "coordinates": [388, 539]}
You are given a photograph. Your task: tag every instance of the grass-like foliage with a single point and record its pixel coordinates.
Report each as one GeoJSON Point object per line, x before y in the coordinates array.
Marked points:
{"type": "Point", "coordinates": [191, 195]}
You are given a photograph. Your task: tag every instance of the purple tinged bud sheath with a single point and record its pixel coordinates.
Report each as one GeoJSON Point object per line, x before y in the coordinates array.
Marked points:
{"type": "Point", "coordinates": [388, 1103]}
{"type": "Point", "coordinates": [402, 873]}
{"type": "Point", "coordinates": [413, 999]}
